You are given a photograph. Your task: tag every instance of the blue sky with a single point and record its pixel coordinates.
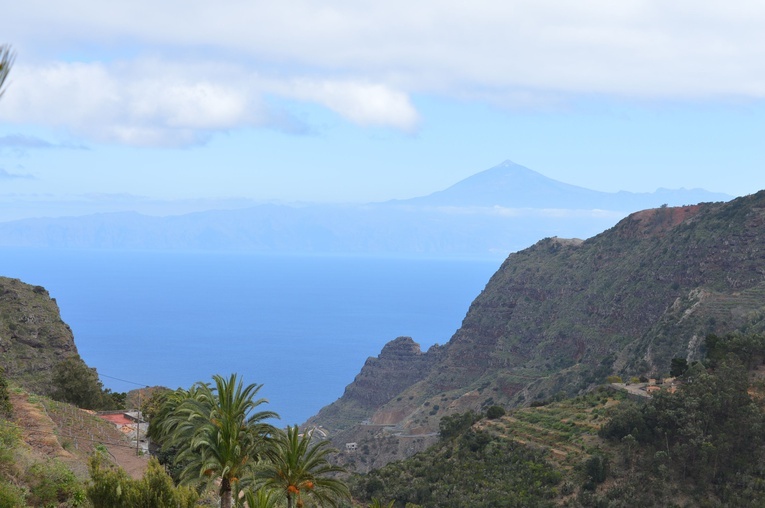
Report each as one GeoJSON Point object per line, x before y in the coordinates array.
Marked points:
{"type": "Point", "coordinates": [181, 105]}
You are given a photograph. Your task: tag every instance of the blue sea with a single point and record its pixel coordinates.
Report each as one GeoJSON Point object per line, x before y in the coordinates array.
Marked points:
{"type": "Point", "coordinates": [300, 325]}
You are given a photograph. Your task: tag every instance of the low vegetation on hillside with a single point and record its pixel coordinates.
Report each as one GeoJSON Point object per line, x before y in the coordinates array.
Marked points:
{"type": "Point", "coordinates": [45, 450]}
{"type": "Point", "coordinates": [218, 442]}
{"type": "Point", "coordinates": [530, 457]}
{"type": "Point", "coordinates": [701, 445]}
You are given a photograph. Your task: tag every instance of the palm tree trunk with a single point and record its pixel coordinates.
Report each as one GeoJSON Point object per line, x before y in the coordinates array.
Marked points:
{"type": "Point", "coordinates": [290, 504]}
{"type": "Point", "coordinates": [225, 493]}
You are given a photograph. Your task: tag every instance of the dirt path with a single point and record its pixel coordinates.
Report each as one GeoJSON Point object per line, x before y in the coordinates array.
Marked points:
{"type": "Point", "coordinates": [634, 389]}
{"type": "Point", "coordinates": [134, 465]}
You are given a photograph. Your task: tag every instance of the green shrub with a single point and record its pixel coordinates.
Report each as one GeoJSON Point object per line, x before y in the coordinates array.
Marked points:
{"type": "Point", "coordinates": [51, 483]}
{"type": "Point", "coordinates": [596, 468]}
{"type": "Point", "coordinates": [110, 487]}
{"type": "Point", "coordinates": [495, 412]}
{"type": "Point", "coordinates": [156, 489]}
{"type": "Point", "coordinates": [451, 426]}
{"type": "Point", "coordinates": [6, 410]}
{"type": "Point", "coordinates": [10, 435]}
{"type": "Point", "coordinates": [11, 496]}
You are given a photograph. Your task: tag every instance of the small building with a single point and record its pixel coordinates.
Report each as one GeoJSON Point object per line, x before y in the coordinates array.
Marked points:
{"type": "Point", "coordinates": [119, 418]}
{"type": "Point", "coordinates": [351, 447]}
{"type": "Point", "coordinates": [128, 423]}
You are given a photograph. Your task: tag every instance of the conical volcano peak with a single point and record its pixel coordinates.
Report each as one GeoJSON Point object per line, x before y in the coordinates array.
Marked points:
{"type": "Point", "coordinates": [505, 173]}
{"type": "Point", "coordinates": [507, 184]}
{"type": "Point", "coordinates": [512, 185]}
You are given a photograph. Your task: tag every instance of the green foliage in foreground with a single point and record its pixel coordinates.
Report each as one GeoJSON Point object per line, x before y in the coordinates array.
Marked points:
{"type": "Point", "coordinates": [42, 483]}
{"type": "Point", "coordinates": [475, 469]}
{"type": "Point", "coordinates": [11, 494]}
{"type": "Point", "coordinates": [376, 503]}
{"type": "Point", "coordinates": [215, 435]}
{"type": "Point", "coordinates": [219, 434]}
{"type": "Point", "coordinates": [706, 441]}
{"type": "Point", "coordinates": [6, 410]}
{"type": "Point", "coordinates": [111, 487]}
{"type": "Point", "coordinates": [52, 483]}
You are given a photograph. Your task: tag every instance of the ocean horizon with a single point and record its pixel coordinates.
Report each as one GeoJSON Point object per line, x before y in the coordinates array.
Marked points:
{"type": "Point", "coordinates": [300, 325]}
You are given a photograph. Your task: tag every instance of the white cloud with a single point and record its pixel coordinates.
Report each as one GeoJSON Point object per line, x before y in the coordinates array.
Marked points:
{"type": "Point", "coordinates": [363, 59]}
{"type": "Point", "coordinates": [131, 104]}
{"type": "Point", "coordinates": [631, 47]}
{"type": "Point", "coordinates": [150, 103]}
{"type": "Point", "coordinates": [361, 103]}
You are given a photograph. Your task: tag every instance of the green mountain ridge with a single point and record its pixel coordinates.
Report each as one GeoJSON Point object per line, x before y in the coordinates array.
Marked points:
{"type": "Point", "coordinates": [562, 315]}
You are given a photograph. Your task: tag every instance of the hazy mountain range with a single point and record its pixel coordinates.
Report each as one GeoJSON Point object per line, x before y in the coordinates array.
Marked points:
{"type": "Point", "coordinates": [490, 214]}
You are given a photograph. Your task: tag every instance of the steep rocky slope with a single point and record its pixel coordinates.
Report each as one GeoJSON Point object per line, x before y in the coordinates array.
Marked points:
{"type": "Point", "coordinates": [33, 338]}
{"type": "Point", "coordinates": [562, 315]}
{"type": "Point", "coordinates": [401, 364]}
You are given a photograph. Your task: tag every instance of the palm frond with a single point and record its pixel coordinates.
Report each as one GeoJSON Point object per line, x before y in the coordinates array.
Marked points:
{"type": "Point", "coordinates": [6, 62]}
{"type": "Point", "coordinates": [299, 467]}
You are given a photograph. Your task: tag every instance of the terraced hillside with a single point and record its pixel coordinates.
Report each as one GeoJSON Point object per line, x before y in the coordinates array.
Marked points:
{"type": "Point", "coordinates": [534, 456]}
{"type": "Point", "coordinates": [60, 431]}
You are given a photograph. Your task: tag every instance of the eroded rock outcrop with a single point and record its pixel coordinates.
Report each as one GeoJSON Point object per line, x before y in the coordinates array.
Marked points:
{"type": "Point", "coordinates": [33, 338]}
{"type": "Point", "coordinates": [399, 365]}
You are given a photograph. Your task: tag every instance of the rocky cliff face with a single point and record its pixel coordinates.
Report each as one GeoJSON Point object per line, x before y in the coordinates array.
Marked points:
{"type": "Point", "coordinates": [400, 364]}
{"type": "Point", "coordinates": [33, 338]}
{"type": "Point", "coordinates": [562, 315]}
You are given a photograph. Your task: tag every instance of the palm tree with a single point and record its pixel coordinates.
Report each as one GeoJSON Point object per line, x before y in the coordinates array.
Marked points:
{"type": "Point", "coordinates": [6, 61]}
{"type": "Point", "coordinates": [298, 467]}
{"type": "Point", "coordinates": [376, 503]}
{"type": "Point", "coordinates": [219, 436]}
{"type": "Point", "coordinates": [260, 499]}
{"type": "Point", "coordinates": [169, 403]}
